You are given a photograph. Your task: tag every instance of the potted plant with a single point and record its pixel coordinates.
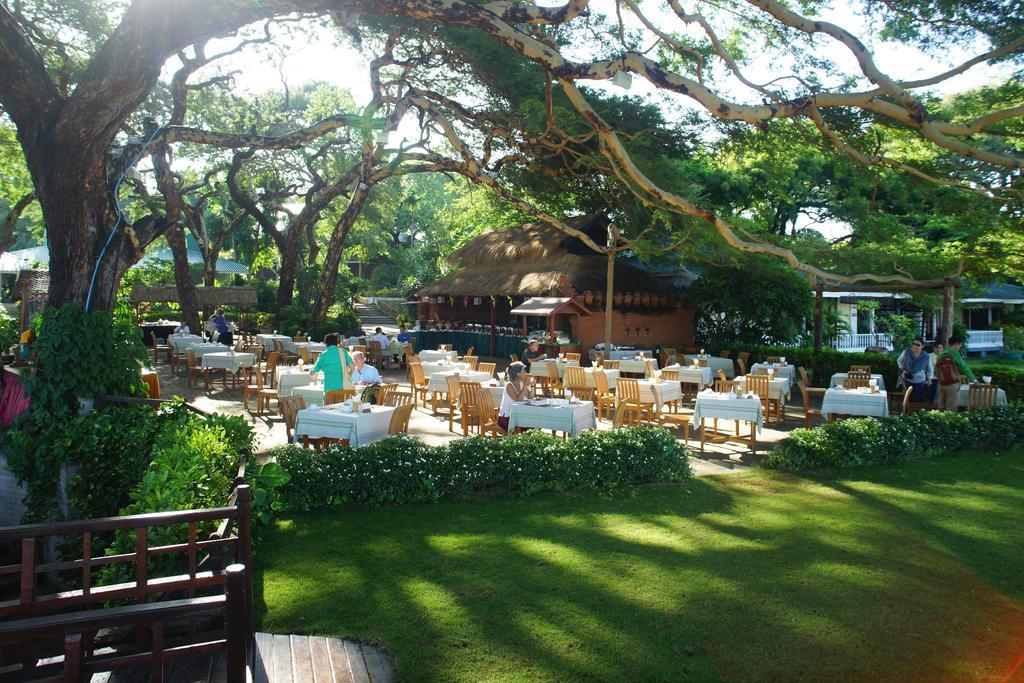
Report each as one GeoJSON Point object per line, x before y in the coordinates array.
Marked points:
{"type": "Point", "coordinates": [1013, 342]}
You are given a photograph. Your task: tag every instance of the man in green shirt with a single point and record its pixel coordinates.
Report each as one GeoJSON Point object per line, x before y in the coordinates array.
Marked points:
{"type": "Point", "coordinates": [949, 394]}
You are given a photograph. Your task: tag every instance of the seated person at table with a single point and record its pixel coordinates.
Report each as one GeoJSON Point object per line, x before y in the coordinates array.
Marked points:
{"type": "Point", "coordinates": [403, 335]}
{"type": "Point", "coordinates": [363, 373]}
{"type": "Point", "coordinates": [224, 334]}
{"type": "Point", "coordinates": [531, 353]}
{"type": "Point", "coordinates": [382, 339]}
{"type": "Point", "coordinates": [916, 370]}
{"type": "Point", "coordinates": [519, 387]}
{"type": "Point", "coordinates": [182, 329]}
{"type": "Point", "coordinates": [336, 365]}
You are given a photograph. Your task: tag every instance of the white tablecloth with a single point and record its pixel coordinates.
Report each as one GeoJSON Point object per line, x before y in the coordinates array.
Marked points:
{"type": "Point", "coordinates": [712, 405]}
{"type": "Point", "coordinates": [840, 377]}
{"type": "Point", "coordinates": [438, 380]}
{"type": "Point", "coordinates": [716, 363]}
{"type": "Point", "coordinates": [312, 394]}
{"type": "Point", "coordinates": [659, 393]}
{"type": "Point", "coordinates": [539, 368]}
{"type": "Point", "coordinates": [786, 371]}
{"type": "Point", "coordinates": [202, 348]}
{"type": "Point", "coordinates": [965, 389]}
{"type": "Point", "coordinates": [778, 388]}
{"type": "Point", "coordinates": [357, 341]}
{"type": "Point", "coordinates": [428, 356]}
{"type": "Point", "coordinates": [337, 423]}
{"type": "Point", "coordinates": [611, 375]}
{"type": "Point", "coordinates": [268, 340]}
{"type": "Point", "coordinates": [436, 366]}
{"type": "Point", "coordinates": [232, 362]}
{"type": "Point", "coordinates": [312, 347]}
{"type": "Point", "coordinates": [840, 401]}
{"type": "Point", "coordinates": [288, 377]}
{"type": "Point", "coordinates": [181, 342]}
{"type": "Point", "coordinates": [636, 367]}
{"type": "Point", "coordinates": [619, 354]}
{"type": "Point", "coordinates": [692, 375]}
{"type": "Point", "coordinates": [561, 417]}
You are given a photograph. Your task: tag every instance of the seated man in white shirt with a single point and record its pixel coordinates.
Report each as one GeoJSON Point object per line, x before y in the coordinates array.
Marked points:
{"type": "Point", "coordinates": [363, 373]}
{"type": "Point", "coordinates": [382, 339]}
{"type": "Point", "coordinates": [182, 329]}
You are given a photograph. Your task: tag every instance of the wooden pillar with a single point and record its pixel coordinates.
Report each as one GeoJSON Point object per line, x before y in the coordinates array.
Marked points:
{"type": "Point", "coordinates": [609, 294]}
{"type": "Point", "coordinates": [819, 314]}
{"type": "Point", "coordinates": [947, 312]}
{"type": "Point", "coordinates": [494, 321]}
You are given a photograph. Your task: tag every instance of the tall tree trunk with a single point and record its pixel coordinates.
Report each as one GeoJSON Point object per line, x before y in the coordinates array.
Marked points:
{"type": "Point", "coordinates": [289, 265]}
{"type": "Point", "coordinates": [819, 314]}
{"type": "Point", "coordinates": [947, 312]}
{"type": "Point", "coordinates": [188, 297]}
{"type": "Point", "coordinates": [335, 250]}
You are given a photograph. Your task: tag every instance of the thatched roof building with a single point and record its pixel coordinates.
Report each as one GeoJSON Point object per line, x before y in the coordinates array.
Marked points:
{"type": "Point", "coordinates": [537, 259]}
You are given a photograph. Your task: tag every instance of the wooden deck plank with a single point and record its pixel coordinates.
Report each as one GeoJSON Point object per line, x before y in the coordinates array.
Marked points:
{"type": "Point", "coordinates": [264, 658]}
{"type": "Point", "coordinates": [320, 658]}
{"type": "Point", "coordinates": [302, 666]}
{"type": "Point", "coordinates": [339, 661]}
{"type": "Point", "coordinates": [282, 672]}
{"type": "Point", "coordinates": [356, 663]}
{"type": "Point", "coordinates": [377, 665]}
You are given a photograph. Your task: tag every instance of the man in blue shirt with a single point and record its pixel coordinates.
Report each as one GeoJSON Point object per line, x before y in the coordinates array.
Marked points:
{"type": "Point", "coordinates": [403, 335]}
{"type": "Point", "coordinates": [363, 373]}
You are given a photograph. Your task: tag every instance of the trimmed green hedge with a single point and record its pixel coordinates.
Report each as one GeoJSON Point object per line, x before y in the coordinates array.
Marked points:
{"type": "Point", "coordinates": [874, 441]}
{"type": "Point", "coordinates": [820, 366]}
{"type": "Point", "coordinates": [1009, 378]}
{"type": "Point", "coordinates": [402, 469]}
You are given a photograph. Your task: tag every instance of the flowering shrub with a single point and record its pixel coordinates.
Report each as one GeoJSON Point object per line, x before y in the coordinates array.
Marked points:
{"type": "Point", "coordinates": [402, 469]}
{"type": "Point", "coordinates": [873, 441]}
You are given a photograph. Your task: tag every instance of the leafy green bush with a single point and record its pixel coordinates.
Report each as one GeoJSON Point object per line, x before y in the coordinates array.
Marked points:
{"type": "Point", "coordinates": [9, 332]}
{"type": "Point", "coordinates": [1013, 338]}
{"type": "Point", "coordinates": [403, 469]}
{"type": "Point", "coordinates": [820, 366]}
{"type": "Point", "coordinates": [872, 441]}
{"type": "Point", "coordinates": [1007, 377]}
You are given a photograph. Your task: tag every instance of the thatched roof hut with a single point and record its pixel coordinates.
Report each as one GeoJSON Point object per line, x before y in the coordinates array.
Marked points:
{"type": "Point", "coordinates": [537, 259]}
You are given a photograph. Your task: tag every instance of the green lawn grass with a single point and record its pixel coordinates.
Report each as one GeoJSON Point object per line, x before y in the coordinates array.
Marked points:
{"type": "Point", "coordinates": [912, 572]}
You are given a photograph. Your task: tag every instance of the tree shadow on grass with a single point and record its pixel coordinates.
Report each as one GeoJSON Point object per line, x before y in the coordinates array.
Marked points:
{"type": "Point", "coordinates": [741, 577]}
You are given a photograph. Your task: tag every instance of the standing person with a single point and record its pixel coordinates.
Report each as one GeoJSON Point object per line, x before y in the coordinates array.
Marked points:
{"type": "Point", "coordinates": [211, 329]}
{"type": "Point", "coordinates": [531, 353]}
{"type": "Point", "coordinates": [224, 334]}
{"type": "Point", "coordinates": [937, 349]}
{"type": "Point", "coordinates": [518, 388]}
{"type": "Point", "coordinates": [948, 370]}
{"type": "Point", "coordinates": [336, 365]}
{"type": "Point", "coordinates": [916, 370]}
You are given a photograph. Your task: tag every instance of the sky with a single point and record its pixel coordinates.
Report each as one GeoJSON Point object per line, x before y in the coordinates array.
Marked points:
{"type": "Point", "coordinates": [314, 54]}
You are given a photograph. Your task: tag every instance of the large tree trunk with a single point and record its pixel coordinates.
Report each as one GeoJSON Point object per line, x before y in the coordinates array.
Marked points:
{"type": "Point", "coordinates": [335, 250]}
{"type": "Point", "coordinates": [289, 265]}
{"type": "Point", "coordinates": [188, 297]}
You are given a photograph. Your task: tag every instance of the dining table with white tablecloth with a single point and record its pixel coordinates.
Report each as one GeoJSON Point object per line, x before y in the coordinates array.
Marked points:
{"type": "Point", "coordinates": [556, 414]}
{"type": "Point", "coordinates": [287, 377]}
{"type": "Point", "coordinates": [338, 421]}
{"type": "Point", "coordinates": [619, 354]}
{"type": "Point", "coordinates": [439, 380]}
{"type": "Point", "coordinates": [539, 368]}
{"type": "Point", "coordinates": [860, 401]}
{"type": "Point", "coordinates": [231, 361]}
{"type": "Point", "coordinates": [312, 393]}
{"type": "Point", "coordinates": [268, 340]}
{"type": "Point", "coordinates": [659, 393]}
{"type": "Point", "coordinates": [840, 377]}
{"type": "Point", "coordinates": [312, 347]}
{"type": "Point", "coordinates": [716, 363]}
{"type": "Point", "coordinates": [711, 405]}
{"type": "Point", "coordinates": [200, 349]}
{"type": "Point", "coordinates": [180, 342]}
{"type": "Point", "coordinates": [779, 388]}
{"type": "Point", "coordinates": [636, 367]}
{"type": "Point", "coordinates": [690, 374]}
{"type": "Point", "coordinates": [427, 356]}
{"type": "Point", "coordinates": [786, 371]}
{"type": "Point", "coordinates": [965, 391]}
{"type": "Point", "coordinates": [442, 366]}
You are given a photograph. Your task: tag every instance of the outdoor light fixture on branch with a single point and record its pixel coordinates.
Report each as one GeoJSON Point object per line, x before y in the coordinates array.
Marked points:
{"type": "Point", "coordinates": [623, 79]}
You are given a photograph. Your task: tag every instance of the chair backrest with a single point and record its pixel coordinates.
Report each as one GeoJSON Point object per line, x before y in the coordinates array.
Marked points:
{"type": "Point", "coordinates": [418, 378]}
{"type": "Point", "coordinates": [407, 350]}
{"type": "Point", "coordinates": [272, 360]}
{"type": "Point", "coordinates": [290, 406]}
{"type": "Point", "coordinates": [444, 347]}
{"type": "Point", "coordinates": [803, 376]}
{"type": "Point", "coordinates": [254, 377]}
{"type": "Point", "coordinates": [601, 382]}
{"type": "Point", "coordinates": [628, 389]}
{"type": "Point", "coordinates": [358, 347]}
{"type": "Point", "coordinates": [489, 368]}
{"type": "Point", "coordinates": [553, 375]}
{"type": "Point", "coordinates": [152, 338]}
{"type": "Point", "coordinates": [856, 379]}
{"type": "Point", "coordinates": [860, 368]}
{"type": "Point", "coordinates": [650, 370]}
{"type": "Point", "coordinates": [300, 338]}
{"type": "Point", "coordinates": [278, 346]}
{"type": "Point", "coordinates": [304, 355]}
{"type": "Point", "coordinates": [742, 366]}
{"type": "Point", "coordinates": [468, 393]}
{"type": "Point", "coordinates": [670, 375]}
{"type": "Point", "coordinates": [513, 358]}
{"type": "Point", "coordinates": [724, 353]}
{"type": "Point", "coordinates": [703, 363]}
{"type": "Point", "coordinates": [400, 419]}
{"type": "Point", "coordinates": [398, 399]}
{"type": "Point", "coordinates": [598, 359]}
{"type": "Point", "coordinates": [721, 375]}
{"type": "Point", "coordinates": [572, 357]}
{"type": "Point", "coordinates": [337, 396]}
{"type": "Point", "coordinates": [803, 393]}
{"type": "Point", "coordinates": [452, 382]}
{"type": "Point", "coordinates": [485, 404]}
{"type": "Point", "coordinates": [757, 384]}
{"type": "Point", "coordinates": [190, 358]}
{"type": "Point", "coordinates": [470, 350]}
{"type": "Point", "coordinates": [575, 377]}
{"type": "Point", "coordinates": [611, 365]}
{"type": "Point", "coordinates": [383, 393]}
{"type": "Point", "coordinates": [908, 407]}
{"type": "Point", "coordinates": [981, 396]}
{"type": "Point", "coordinates": [472, 361]}
{"type": "Point", "coordinates": [375, 349]}
{"type": "Point", "coordinates": [774, 360]}
{"type": "Point", "coordinates": [723, 386]}
{"type": "Point", "coordinates": [743, 356]}
{"type": "Point", "coordinates": [620, 414]}
{"type": "Point", "coordinates": [152, 382]}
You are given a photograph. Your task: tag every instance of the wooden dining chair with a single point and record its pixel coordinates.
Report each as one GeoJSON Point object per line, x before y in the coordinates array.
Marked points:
{"type": "Point", "coordinates": [399, 398]}
{"type": "Point", "coordinates": [650, 368]}
{"type": "Point", "coordinates": [400, 419]}
{"type": "Point", "coordinates": [469, 352]}
{"type": "Point", "coordinates": [488, 415]}
{"type": "Point", "coordinates": [705, 363]}
{"type": "Point", "coordinates": [305, 356]}
{"type": "Point", "coordinates": [252, 386]}
{"type": "Point", "coordinates": [603, 393]}
{"type": "Point", "coordinates": [469, 405]}
{"type": "Point", "coordinates": [192, 366]}
{"type": "Point", "coordinates": [667, 355]}
{"type": "Point", "coordinates": [357, 347]}
{"type": "Point", "coordinates": [319, 443]}
{"type": "Point", "coordinates": [855, 380]}
{"type": "Point", "coordinates": [489, 368]}
{"type": "Point", "coordinates": [265, 396]}
{"type": "Point", "coordinates": [721, 376]}
{"type": "Point", "coordinates": [158, 349]}
{"type": "Point", "coordinates": [513, 358]}
{"type": "Point", "coordinates": [270, 369]}
{"type": "Point", "coordinates": [760, 387]}
{"type": "Point", "coordinates": [289, 407]}
{"type": "Point", "coordinates": [611, 365]}
{"type": "Point", "coordinates": [598, 360]}
{"type": "Point", "coordinates": [812, 391]}
{"type": "Point", "coordinates": [451, 395]}
{"type": "Point", "coordinates": [376, 354]}
{"type": "Point", "coordinates": [576, 382]}
{"type": "Point", "coordinates": [673, 376]}
{"type": "Point", "coordinates": [628, 392]}
{"type": "Point", "coordinates": [860, 368]}
{"type": "Point", "coordinates": [745, 357]}
{"type": "Point", "coordinates": [152, 382]}
{"type": "Point", "coordinates": [554, 383]}
{"type": "Point", "coordinates": [418, 382]}
{"type": "Point", "coordinates": [911, 407]}
{"type": "Point", "coordinates": [573, 357]}
{"type": "Point", "coordinates": [285, 356]}
{"type": "Point", "coordinates": [338, 396]}
{"type": "Point", "coordinates": [774, 360]}
{"type": "Point", "coordinates": [471, 361]}
{"type": "Point", "coordinates": [981, 396]}
{"type": "Point", "coordinates": [676, 420]}
{"type": "Point", "coordinates": [742, 366]}
{"type": "Point", "coordinates": [383, 393]}
{"type": "Point", "coordinates": [809, 412]}
{"type": "Point", "coordinates": [723, 386]}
